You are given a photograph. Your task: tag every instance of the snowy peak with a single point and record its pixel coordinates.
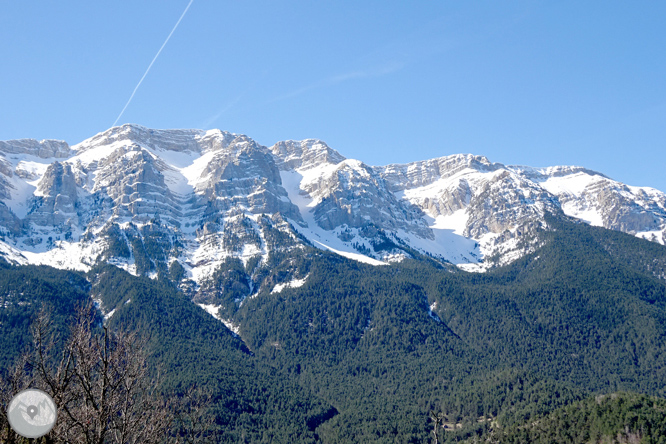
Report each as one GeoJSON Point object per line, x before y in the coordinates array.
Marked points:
{"type": "Point", "coordinates": [541, 174]}
{"type": "Point", "coordinates": [43, 149]}
{"type": "Point", "coordinates": [347, 207]}
{"type": "Point", "coordinates": [168, 140]}
{"type": "Point", "coordinates": [422, 173]}
{"type": "Point", "coordinates": [470, 197]}
{"type": "Point", "coordinates": [604, 202]}
{"type": "Point", "coordinates": [292, 154]}
{"type": "Point", "coordinates": [188, 203]}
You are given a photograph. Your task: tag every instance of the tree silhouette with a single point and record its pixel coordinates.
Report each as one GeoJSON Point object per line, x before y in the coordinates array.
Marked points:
{"type": "Point", "coordinates": [99, 381]}
{"type": "Point", "coordinates": [437, 419]}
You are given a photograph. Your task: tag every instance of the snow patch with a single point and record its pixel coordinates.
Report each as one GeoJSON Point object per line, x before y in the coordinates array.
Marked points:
{"type": "Point", "coordinates": [293, 182]}
{"type": "Point", "coordinates": [194, 171]}
{"type": "Point", "coordinates": [296, 283]}
{"type": "Point", "coordinates": [12, 255]}
{"type": "Point", "coordinates": [65, 255]}
{"type": "Point", "coordinates": [449, 243]}
{"type": "Point", "coordinates": [213, 310]}
{"type": "Point", "coordinates": [89, 155]}
{"type": "Point", "coordinates": [432, 307]}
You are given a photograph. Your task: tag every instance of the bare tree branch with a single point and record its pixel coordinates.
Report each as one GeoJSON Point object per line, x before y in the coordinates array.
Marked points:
{"type": "Point", "coordinates": [101, 385]}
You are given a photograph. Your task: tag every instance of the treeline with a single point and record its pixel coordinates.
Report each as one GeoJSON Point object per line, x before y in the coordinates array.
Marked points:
{"type": "Point", "coordinates": [190, 347]}
{"type": "Point", "coordinates": [570, 319]}
{"type": "Point", "coordinates": [370, 354]}
{"type": "Point", "coordinates": [184, 347]}
{"type": "Point", "coordinates": [23, 290]}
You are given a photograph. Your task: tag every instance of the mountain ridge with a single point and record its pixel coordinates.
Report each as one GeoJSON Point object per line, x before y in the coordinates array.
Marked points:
{"type": "Point", "coordinates": [333, 350]}
{"type": "Point", "coordinates": [209, 195]}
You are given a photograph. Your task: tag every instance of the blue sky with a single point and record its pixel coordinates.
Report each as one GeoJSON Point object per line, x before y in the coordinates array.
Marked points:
{"type": "Point", "coordinates": [522, 82]}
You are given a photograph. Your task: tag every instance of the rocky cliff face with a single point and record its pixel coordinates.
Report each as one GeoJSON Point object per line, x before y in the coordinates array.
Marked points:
{"type": "Point", "coordinates": [293, 154]}
{"type": "Point", "coordinates": [184, 203]}
{"type": "Point", "coordinates": [604, 202]}
{"type": "Point", "coordinates": [44, 149]}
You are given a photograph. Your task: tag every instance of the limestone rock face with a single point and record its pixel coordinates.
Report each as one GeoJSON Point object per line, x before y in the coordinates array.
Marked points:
{"type": "Point", "coordinates": [500, 206]}
{"type": "Point", "coordinates": [602, 201]}
{"type": "Point", "coordinates": [131, 179]}
{"type": "Point", "coordinates": [293, 154]}
{"type": "Point", "coordinates": [355, 196]}
{"type": "Point", "coordinates": [186, 202]}
{"type": "Point", "coordinates": [43, 149]}
{"type": "Point", "coordinates": [422, 173]}
{"type": "Point", "coordinates": [171, 140]}
{"type": "Point", "coordinates": [244, 175]}
{"type": "Point", "coordinates": [56, 198]}
{"type": "Point", "coordinates": [9, 223]}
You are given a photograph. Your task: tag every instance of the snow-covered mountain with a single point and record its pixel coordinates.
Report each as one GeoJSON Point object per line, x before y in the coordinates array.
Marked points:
{"type": "Point", "coordinates": [186, 202]}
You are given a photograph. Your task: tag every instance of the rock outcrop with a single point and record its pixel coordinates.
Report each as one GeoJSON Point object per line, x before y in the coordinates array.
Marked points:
{"type": "Point", "coordinates": [155, 201]}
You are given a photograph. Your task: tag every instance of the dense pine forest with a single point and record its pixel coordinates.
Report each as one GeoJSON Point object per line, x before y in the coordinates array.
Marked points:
{"type": "Point", "coordinates": [568, 342]}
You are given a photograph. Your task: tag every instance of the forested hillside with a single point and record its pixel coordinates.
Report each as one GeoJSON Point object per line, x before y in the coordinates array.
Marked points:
{"type": "Point", "coordinates": [361, 353]}
{"type": "Point", "coordinates": [618, 418]}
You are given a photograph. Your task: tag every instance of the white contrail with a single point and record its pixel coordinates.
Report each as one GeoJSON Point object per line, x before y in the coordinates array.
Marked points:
{"type": "Point", "coordinates": [151, 63]}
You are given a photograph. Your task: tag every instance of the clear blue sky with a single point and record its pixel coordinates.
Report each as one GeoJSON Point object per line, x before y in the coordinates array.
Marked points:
{"type": "Point", "coordinates": [521, 82]}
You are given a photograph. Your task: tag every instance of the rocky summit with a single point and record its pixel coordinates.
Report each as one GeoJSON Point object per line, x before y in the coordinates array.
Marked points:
{"type": "Point", "coordinates": [182, 202]}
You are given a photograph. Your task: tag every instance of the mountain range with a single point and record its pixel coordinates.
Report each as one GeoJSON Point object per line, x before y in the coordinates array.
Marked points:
{"type": "Point", "coordinates": [206, 196]}
{"type": "Point", "coordinates": [355, 301]}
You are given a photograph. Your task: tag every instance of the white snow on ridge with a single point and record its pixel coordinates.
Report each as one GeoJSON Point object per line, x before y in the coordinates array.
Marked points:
{"type": "Point", "coordinates": [578, 195]}
{"type": "Point", "coordinates": [182, 176]}
{"type": "Point", "coordinates": [449, 243]}
{"type": "Point", "coordinates": [293, 181]}
{"type": "Point", "coordinates": [572, 184]}
{"type": "Point", "coordinates": [654, 236]}
{"type": "Point", "coordinates": [88, 155]}
{"type": "Point", "coordinates": [32, 168]}
{"type": "Point", "coordinates": [449, 190]}
{"type": "Point", "coordinates": [12, 254]}
{"type": "Point", "coordinates": [65, 255]}
{"type": "Point", "coordinates": [28, 171]}
{"type": "Point", "coordinates": [345, 252]}
{"type": "Point", "coordinates": [211, 309]}
{"type": "Point", "coordinates": [588, 214]}
{"type": "Point", "coordinates": [20, 195]}
{"type": "Point", "coordinates": [177, 182]}
{"type": "Point", "coordinates": [299, 182]}
{"type": "Point", "coordinates": [442, 185]}
{"type": "Point", "coordinates": [176, 159]}
{"type": "Point", "coordinates": [455, 222]}
{"type": "Point", "coordinates": [193, 171]}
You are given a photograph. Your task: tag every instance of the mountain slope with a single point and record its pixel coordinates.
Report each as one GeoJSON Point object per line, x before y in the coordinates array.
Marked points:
{"type": "Point", "coordinates": [616, 418]}
{"type": "Point", "coordinates": [336, 351]}
{"type": "Point", "coordinates": [185, 345]}
{"type": "Point", "coordinates": [155, 201]}
{"type": "Point", "coordinates": [573, 317]}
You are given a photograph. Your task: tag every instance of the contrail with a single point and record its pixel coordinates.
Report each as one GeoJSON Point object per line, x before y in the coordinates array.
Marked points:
{"type": "Point", "coordinates": [151, 63]}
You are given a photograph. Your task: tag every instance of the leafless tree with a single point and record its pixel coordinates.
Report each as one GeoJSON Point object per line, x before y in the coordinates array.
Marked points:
{"type": "Point", "coordinates": [55, 376]}
{"type": "Point", "coordinates": [15, 380]}
{"type": "Point", "coordinates": [437, 419]}
{"type": "Point", "coordinates": [101, 385]}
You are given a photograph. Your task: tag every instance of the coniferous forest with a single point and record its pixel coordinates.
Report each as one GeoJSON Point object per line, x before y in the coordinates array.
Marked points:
{"type": "Point", "coordinates": [564, 345]}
